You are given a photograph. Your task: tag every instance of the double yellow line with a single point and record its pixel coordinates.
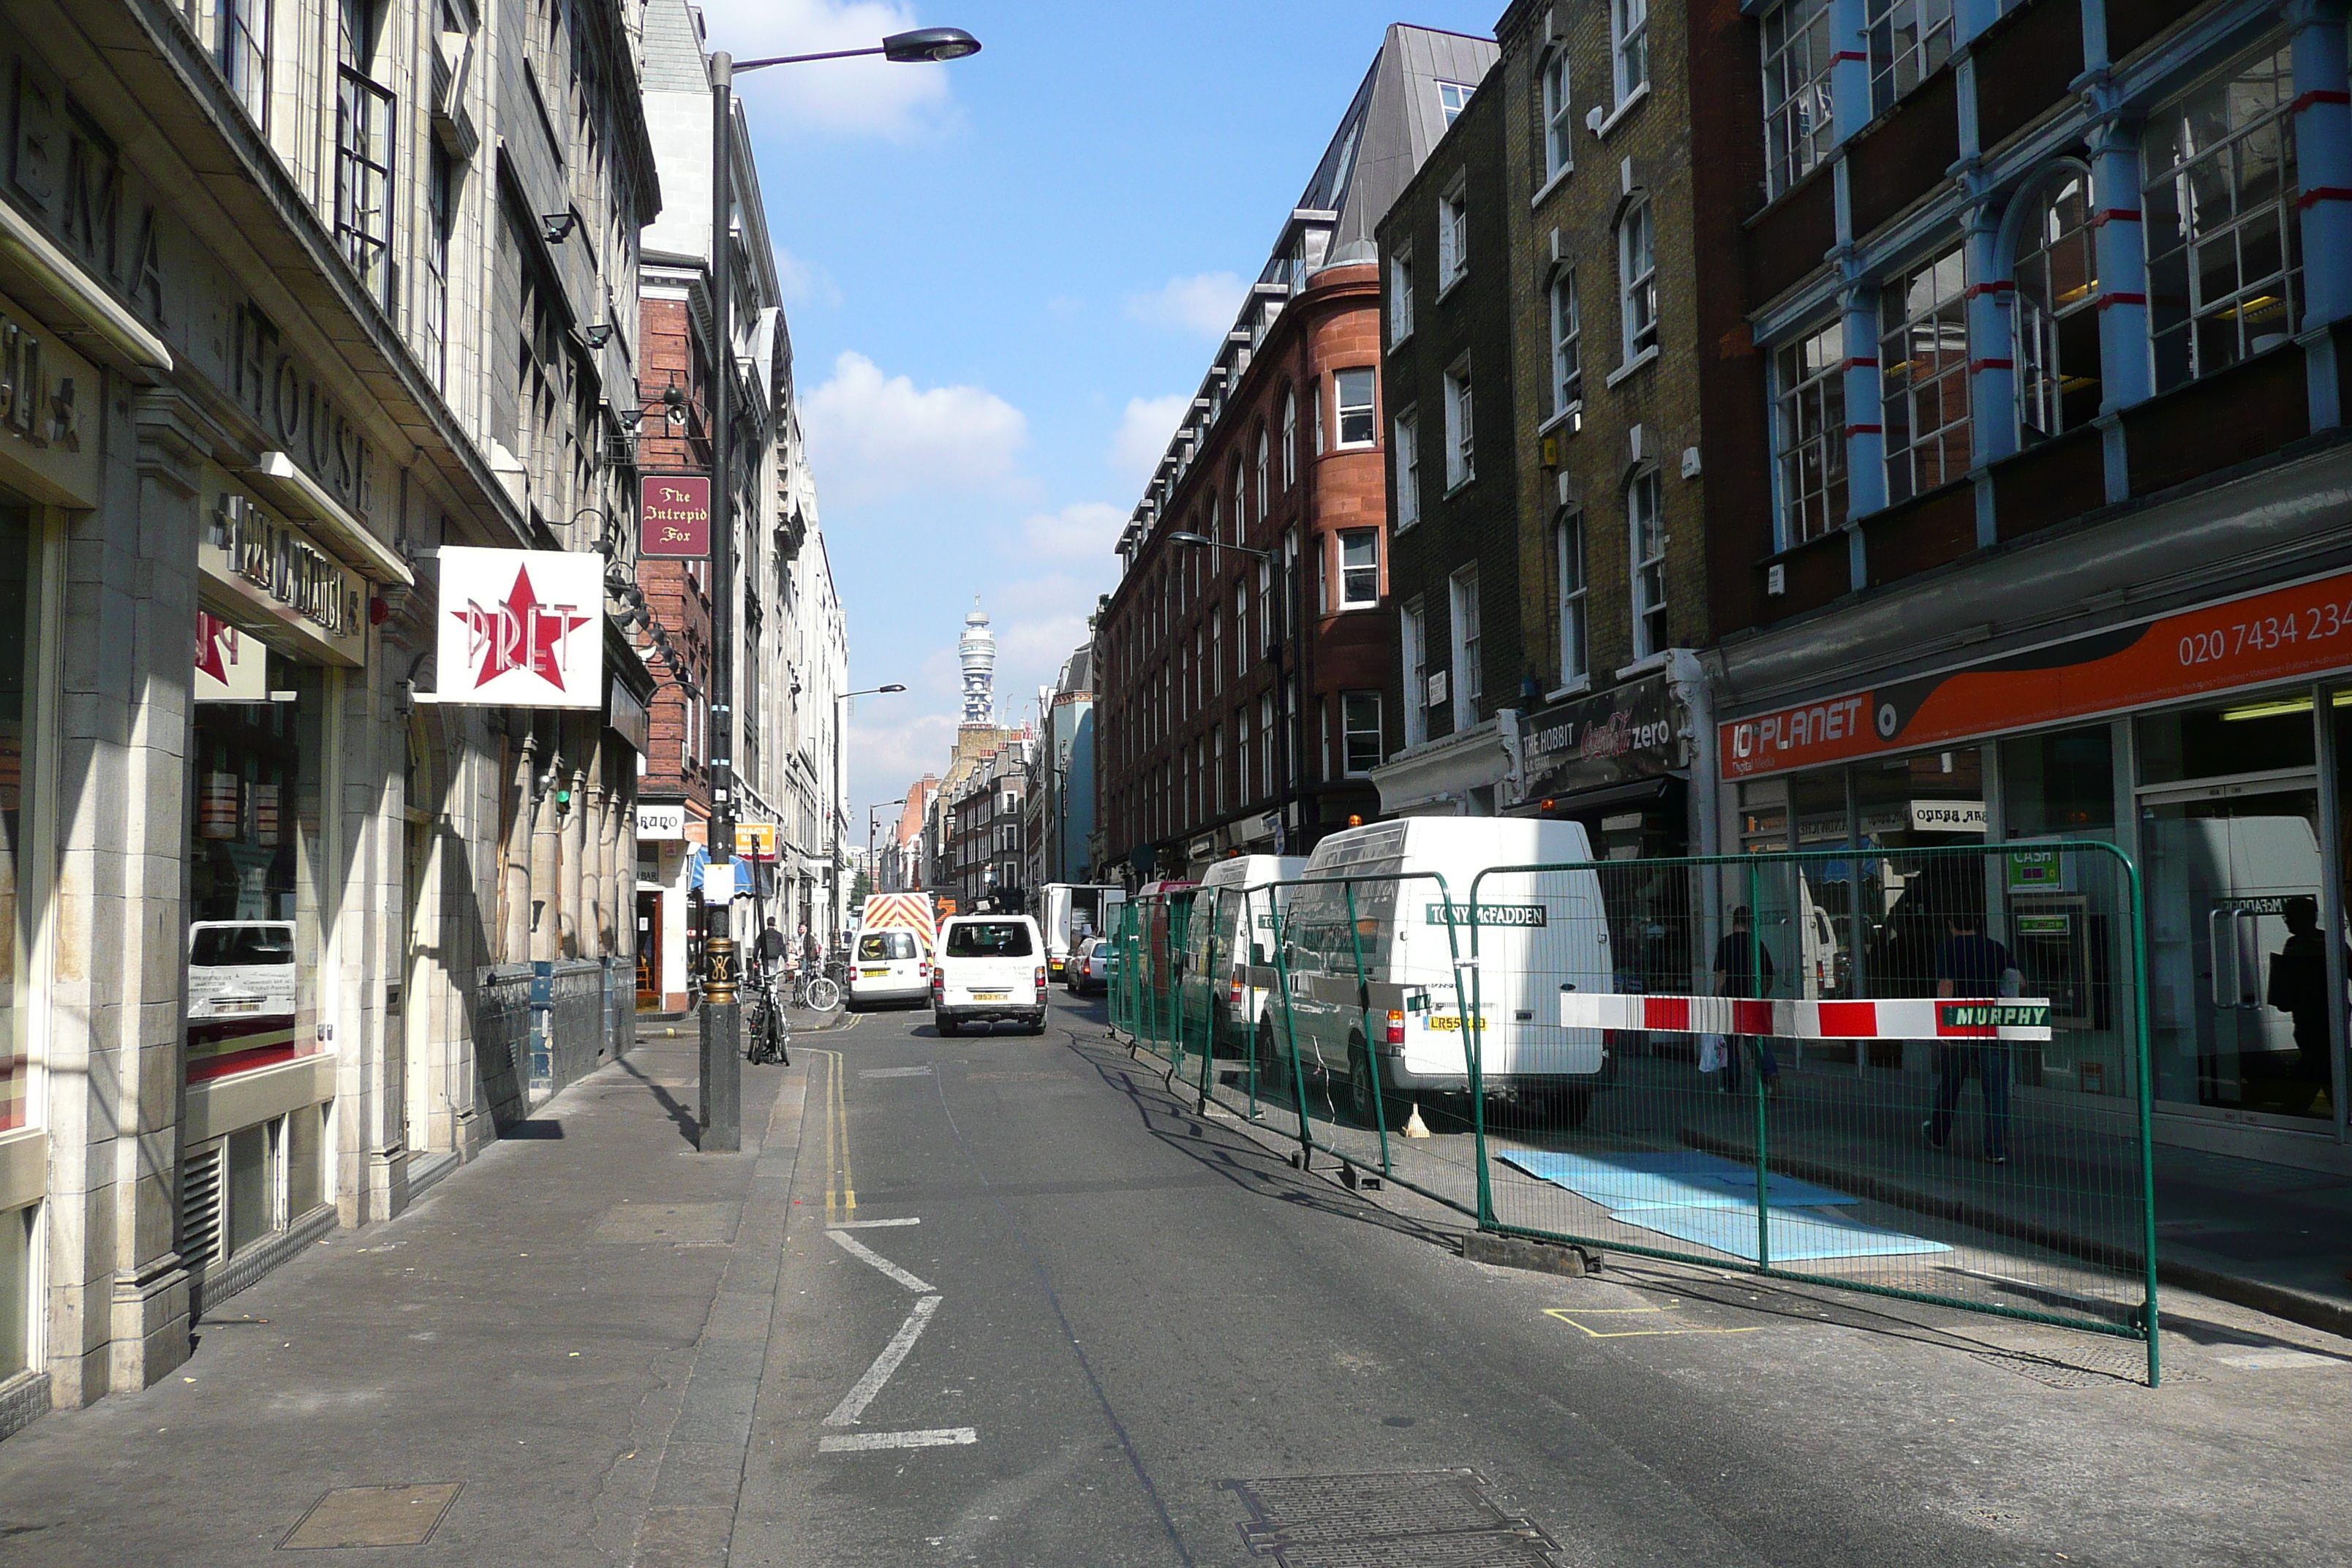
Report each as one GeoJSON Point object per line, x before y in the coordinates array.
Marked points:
{"type": "Point", "coordinates": [840, 1186]}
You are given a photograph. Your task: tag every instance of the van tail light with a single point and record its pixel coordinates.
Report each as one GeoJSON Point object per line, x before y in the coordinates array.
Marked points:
{"type": "Point", "coordinates": [1235, 996]}
{"type": "Point", "coordinates": [939, 982]}
{"type": "Point", "coordinates": [1041, 980]}
{"type": "Point", "coordinates": [1396, 1027]}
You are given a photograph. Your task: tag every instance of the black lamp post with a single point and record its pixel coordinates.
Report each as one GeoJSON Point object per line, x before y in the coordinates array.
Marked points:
{"type": "Point", "coordinates": [873, 877]}
{"type": "Point", "coordinates": [1277, 638]}
{"type": "Point", "coordinates": [722, 1015]}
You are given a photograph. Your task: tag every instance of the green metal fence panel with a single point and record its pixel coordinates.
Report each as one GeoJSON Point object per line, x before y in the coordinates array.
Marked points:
{"type": "Point", "coordinates": [1716, 1060]}
{"type": "Point", "coordinates": [1937, 1088]}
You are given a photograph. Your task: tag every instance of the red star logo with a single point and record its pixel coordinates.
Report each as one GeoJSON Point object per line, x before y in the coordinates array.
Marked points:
{"type": "Point", "coordinates": [522, 634]}
{"type": "Point", "coordinates": [210, 631]}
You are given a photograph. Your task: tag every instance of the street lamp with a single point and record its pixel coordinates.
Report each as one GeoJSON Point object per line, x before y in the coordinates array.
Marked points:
{"type": "Point", "coordinates": [841, 788]}
{"type": "Point", "coordinates": [722, 1016]}
{"type": "Point", "coordinates": [1293, 743]}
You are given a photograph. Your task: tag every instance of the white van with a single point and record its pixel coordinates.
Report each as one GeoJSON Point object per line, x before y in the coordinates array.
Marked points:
{"type": "Point", "coordinates": [890, 965]}
{"type": "Point", "coordinates": [240, 969]}
{"type": "Point", "coordinates": [1539, 934]}
{"type": "Point", "coordinates": [989, 968]}
{"type": "Point", "coordinates": [1231, 931]}
{"type": "Point", "coordinates": [1073, 911]}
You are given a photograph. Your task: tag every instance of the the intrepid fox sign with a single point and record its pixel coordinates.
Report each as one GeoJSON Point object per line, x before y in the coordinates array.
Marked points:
{"type": "Point", "coordinates": [519, 627]}
{"type": "Point", "coordinates": [673, 510]}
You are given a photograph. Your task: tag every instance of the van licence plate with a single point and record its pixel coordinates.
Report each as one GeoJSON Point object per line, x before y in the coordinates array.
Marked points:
{"type": "Point", "coordinates": [872, 974]}
{"type": "Point", "coordinates": [990, 996]}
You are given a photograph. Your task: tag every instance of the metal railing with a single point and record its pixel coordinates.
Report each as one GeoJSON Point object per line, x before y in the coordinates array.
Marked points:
{"type": "Point", "coordinates": [1610, 1054]}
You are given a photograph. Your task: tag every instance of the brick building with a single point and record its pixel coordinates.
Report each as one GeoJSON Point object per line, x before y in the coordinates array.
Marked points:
{"type": "Point", "coordinates": [2051, 536]}
{"type": "Point", "coordinates": [1241, 681]}
{"type": "Point", "coordinates": [1548, 356]}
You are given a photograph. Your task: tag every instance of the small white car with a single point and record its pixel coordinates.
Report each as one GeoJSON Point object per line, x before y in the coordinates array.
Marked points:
{"type": "Point", "coordinates": [1089, 970]}
{"type": "Point", "coordinates": [990, 969]}
{"type": "Point", "coordinates": [240, 969]}
{"type": "Point", "coordinates": [888, 966]}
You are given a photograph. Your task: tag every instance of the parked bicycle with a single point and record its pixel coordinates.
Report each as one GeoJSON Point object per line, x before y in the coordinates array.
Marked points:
{"type": "Point", "coordinates": [807, 987]}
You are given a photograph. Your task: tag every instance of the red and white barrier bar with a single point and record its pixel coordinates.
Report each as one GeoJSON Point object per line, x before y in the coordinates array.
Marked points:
{"type": "Point", "coordinates": [1901, 1018]}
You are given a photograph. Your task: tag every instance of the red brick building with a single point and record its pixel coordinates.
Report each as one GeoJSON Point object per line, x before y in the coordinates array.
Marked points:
{"type": "Point", "coordinates": [1240, 685]}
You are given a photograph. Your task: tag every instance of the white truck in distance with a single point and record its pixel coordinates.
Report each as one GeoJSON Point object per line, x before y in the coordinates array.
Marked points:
{"type": "Point", "coordinates": [1071, 911]}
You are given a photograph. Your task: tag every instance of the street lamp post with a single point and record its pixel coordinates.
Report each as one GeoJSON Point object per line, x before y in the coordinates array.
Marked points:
{"type": "Point", "coordinates": [1291, 712]}
{"type": "Point", "coordinates": [873, 877]}
{"type": "Point", "coordinates": [833, 824]}
{"type": "Point", "coordinates": [722, 1015]}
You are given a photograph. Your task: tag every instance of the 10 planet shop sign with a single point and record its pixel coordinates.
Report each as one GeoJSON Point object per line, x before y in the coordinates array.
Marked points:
{"type": "Point", "coordinates": [519, 628]}
{"type": "Point", "coordinates": [2300, 632]}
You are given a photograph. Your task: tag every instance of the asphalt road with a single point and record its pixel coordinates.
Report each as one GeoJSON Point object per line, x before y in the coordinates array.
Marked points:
{"type": "Point", "coordinates": [1083, 1326]}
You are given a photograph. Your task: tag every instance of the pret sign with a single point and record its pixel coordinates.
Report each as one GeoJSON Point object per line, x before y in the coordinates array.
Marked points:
{"type": "Point", "coordinates": [673, 513]}
{"type": "Point", "coordinates": [519, 627]}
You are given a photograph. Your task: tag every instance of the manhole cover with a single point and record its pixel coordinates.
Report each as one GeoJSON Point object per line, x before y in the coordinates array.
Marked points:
{"type": "Point", "coordinates": [372, 1516]}
{"type": "Point", "coordinates": [1407, 1520]}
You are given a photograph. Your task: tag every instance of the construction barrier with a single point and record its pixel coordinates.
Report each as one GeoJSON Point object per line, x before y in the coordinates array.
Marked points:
{"type": "Point", "coordinates": [1917, 1072]}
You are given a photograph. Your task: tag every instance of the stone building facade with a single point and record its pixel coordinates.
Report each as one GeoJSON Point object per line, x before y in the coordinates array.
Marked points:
{"type": "Point", "coordinates": [294, 929]}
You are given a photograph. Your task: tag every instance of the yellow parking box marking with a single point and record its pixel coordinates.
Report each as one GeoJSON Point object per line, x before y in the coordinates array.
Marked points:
{"type": "Point", "coordinates": [1564, 1315]}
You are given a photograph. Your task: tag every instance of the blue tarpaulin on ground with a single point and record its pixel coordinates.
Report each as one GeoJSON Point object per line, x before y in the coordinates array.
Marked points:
{"type": "Point", "coordinates": [1673, 1179]}
{"type": "Point", "coordinates": [1797, 1235]}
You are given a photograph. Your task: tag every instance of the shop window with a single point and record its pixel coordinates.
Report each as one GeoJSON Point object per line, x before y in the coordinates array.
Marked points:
{"type": "Point", "coordinates": [16, 1293]}
{"type": "Point", "coordinates": [1809, 433]}
{"type": "Point", "coordinates": [1909, 41]}
{"type": "Point", "coordinates": [2060, 785]}
{"type": "Point", "coordinates": [1923, 354]}
{"type": "Point", "coordinates": [256, 860]}
{"type": "Point", "coordinates": [2251, 736]}
{"type": "Point", "coordinates": [2057, 312]}
{"type": "Point", "coordinates": [2224, 268]}
{"type": "Point", "coordinates": [252, 1190]}
{"type": "Point", "coordinates": [1797, 122]}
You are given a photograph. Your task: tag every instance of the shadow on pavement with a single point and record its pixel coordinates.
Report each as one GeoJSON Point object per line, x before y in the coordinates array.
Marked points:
{"type": "Point", "coordinates": [688, 1123]}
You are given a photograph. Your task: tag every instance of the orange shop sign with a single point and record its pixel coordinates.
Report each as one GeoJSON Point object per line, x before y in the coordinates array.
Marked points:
{"type": "Point", "coordinates": [2281, 634]}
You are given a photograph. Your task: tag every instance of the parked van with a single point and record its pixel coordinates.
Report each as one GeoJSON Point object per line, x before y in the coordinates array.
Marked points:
{"type": "Point", "coordinates": [991, 968]}
{"type": "Point", "coordinates": [890, 958]}
{"type": "Point", "coordinates": [1231, 930]}
{"type": "Point", "coordinates": [1539, 934]}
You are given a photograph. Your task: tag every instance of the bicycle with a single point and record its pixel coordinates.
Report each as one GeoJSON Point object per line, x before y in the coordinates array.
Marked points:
{"type": "Point", "coordinates": [806, 988]}
{"type": "Point", "coordinates": [770, 1032]}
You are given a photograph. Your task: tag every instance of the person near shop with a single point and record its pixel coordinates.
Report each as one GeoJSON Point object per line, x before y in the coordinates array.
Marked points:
{"type": "Point", "coordinates": [1744, 968]}
{"type": "Point", "coordinates": [1971, 965]}
{"type": "Point", "coordinates": [770, 948]}
{"type": "Point", "coordinates": [2298, 987]}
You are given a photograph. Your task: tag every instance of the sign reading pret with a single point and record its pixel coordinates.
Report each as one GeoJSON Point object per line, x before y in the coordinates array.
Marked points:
{"type": "Point", "coordinates": [674, 514]}
{"type": "Point", "coordinates": [231, 667]}
{"type": "Point", "coordinates": [1487, 914]}
{"type": "Point", "coordinates": [519, 627]}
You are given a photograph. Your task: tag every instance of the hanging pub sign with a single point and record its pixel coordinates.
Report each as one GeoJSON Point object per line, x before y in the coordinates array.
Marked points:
{"type": "Point", "coordinates": [674, 517]}
{"type": "Point", "coordinates": [519, 627]}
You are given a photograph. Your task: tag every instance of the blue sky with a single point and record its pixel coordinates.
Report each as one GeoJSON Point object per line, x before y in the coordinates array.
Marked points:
{"type": "Point", "coordinates": [1005, 276]}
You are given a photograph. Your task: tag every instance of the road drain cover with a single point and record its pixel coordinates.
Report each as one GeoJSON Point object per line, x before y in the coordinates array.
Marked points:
{"type": "Point", "coordinates": [370, 1516]}
{"type": "Point", "coordinates": [1416, 1519]}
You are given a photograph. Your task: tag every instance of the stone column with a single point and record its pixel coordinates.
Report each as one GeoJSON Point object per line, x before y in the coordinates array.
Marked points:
{"type": "Point", "coordinates": [546, 851]}
{"type": "Point", "coordinates": [572, 817]}
{"type": "Point", "coordinates": [515, 881]}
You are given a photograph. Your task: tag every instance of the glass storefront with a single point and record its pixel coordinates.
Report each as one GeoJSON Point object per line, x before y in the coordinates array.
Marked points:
{"type": "Point", "coordinates": [254, 864]}
{"type": "Point", "coordinates": [2231, 809]}
{"type": "Point", "coordinates": [17, 621]}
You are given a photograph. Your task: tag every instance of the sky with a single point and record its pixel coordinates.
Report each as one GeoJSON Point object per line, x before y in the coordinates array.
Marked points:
{"type": "Point", "coordinates": [1004, 277]}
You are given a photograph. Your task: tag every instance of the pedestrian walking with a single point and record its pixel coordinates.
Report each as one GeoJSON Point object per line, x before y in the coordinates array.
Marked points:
{"type": "Point", "coordinates": [1971, 965]}
{"type": "Point", "coordinates": [770, 948]}
{"type": "Point", "coordinates": [1743, 968]}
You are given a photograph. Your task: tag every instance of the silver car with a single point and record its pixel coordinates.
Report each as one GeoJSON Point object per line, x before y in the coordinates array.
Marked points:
{"type": "Point", "coordinates": [1089, 970]}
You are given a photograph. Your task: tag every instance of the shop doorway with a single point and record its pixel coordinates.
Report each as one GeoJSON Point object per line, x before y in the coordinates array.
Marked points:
{"type": "Point", "coordinates": [2236, 964]}
{"type": "Point", "coordinates": [649, 998]}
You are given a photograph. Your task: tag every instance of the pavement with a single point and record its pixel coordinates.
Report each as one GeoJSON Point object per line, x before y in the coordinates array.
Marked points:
{"type": "Point", "coordinates": [1004, 1300]}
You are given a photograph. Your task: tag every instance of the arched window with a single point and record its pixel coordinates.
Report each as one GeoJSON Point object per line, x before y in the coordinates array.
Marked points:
{"type": "Point", "coordinates": [2057, 314]}
{"type": "Point", "coordinates": [1241, 502]}
{"type": "Point", "coordinates": [1265, 494]}
{"type": "Point", "coordinates": [1289, 439]}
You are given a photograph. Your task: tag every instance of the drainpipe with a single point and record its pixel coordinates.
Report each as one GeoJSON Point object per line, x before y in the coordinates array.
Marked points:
{"type": "Point", "coordinates": [1686, 681]}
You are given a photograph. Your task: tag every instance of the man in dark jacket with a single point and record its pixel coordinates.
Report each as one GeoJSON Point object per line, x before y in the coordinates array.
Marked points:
{"type": "Point", "coordinates": [770, 948]}
{"type": "Point", "coordinates": [1971, 965]}
{"type": "Point", "coordinates": [1738, 958]}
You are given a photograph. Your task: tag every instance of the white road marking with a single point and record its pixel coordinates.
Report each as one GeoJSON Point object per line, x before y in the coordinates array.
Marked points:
{"type": "Point", "coordinates": [894, 1072]}
{"type": "Point", "coordinates": [868, 1223]}
{"type": "Point", "coordinates": [857, 1248]}
{"type": "Point", "coordinates": [853, 1404]}
{"type": "Point", "coordinates": [938, 1438]}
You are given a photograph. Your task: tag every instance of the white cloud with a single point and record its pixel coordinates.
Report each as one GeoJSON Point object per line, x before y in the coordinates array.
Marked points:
{"type": "Point", "coordinates": [1143, 435]}
{"type": "Point", "coordinates": [1087, 529]}
{"type": "Point", "coordinates": [854, 97]}
{"type": "Point", "coordinates": [872, 434]}
{"type": "Point", "coordinates": [1203, 304]}
{"type": "Point", "coordinates": [803, 281]}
